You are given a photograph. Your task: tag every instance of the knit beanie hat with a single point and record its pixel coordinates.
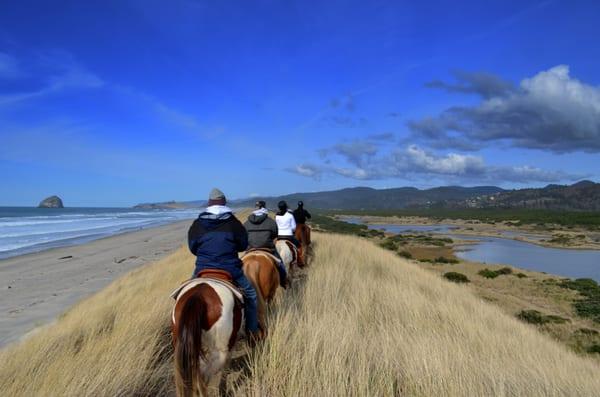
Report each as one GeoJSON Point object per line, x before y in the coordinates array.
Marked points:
{"type": "Point", "coordinates": [216, 197]}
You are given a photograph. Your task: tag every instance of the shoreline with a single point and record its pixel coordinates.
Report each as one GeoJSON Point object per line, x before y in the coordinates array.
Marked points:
{"type": "Point", "coordinates": [463, 228]}
{"type": "Point", "coordinates": [37, 287]}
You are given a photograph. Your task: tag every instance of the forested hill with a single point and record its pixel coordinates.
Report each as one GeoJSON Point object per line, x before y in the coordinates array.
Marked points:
{"type": "Point", "coordinates": [584, 195]}
{"type": "Point", "coordinates": [380, 199]}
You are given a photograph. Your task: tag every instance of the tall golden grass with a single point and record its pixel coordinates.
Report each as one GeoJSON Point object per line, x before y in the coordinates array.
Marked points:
{"type": "Point", "coordinates": [360, 322]}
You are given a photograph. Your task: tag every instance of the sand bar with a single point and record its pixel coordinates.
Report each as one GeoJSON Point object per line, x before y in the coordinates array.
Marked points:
{"type": "Point", "coordinates": [36, 288]}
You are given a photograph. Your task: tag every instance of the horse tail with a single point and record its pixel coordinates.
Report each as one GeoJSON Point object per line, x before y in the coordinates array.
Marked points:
{"type": "Point", "coordinates": [188, 349]}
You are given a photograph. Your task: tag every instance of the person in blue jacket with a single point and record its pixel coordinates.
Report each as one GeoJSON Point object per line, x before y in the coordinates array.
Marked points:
{"type": "Point", "coordinates": [215, 238]}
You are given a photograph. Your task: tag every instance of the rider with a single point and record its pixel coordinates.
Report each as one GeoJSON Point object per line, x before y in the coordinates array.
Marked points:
{"type": "Point", "coordinates": [215, 238]}
{"type": "Point", "coordinates": [262, 230]}
{"type": "Point", "coordinates": [287, 225]}
{"type": "Point", "coordinates": [300, 214]}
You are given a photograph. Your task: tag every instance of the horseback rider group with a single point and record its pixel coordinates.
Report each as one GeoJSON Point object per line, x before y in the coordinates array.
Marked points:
{"type": "Point", "coordinates": [217, 236]}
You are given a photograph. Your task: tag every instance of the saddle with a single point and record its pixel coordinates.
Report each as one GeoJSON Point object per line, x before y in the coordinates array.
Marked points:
{"type": "Point", "coordinates": [209, 276]}
{"type": "Point", "coordinates": [263, 252]}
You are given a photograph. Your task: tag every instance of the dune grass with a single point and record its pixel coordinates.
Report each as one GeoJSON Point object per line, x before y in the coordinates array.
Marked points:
{"type": "Point", "coordinates": [361, 321]}
{"type": "Point", "coordinates": [115, 343]}
{"type": "Point", "coordinates": [369, 323]}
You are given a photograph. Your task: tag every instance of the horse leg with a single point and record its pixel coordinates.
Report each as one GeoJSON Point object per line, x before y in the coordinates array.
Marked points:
{"type": "Point", "coordinates": [214, 371]}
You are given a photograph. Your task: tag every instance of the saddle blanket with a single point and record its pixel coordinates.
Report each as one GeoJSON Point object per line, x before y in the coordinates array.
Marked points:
{"type": "Point", "coordinates": [263, 253]}
{"type": "Point", "coordinates": [189, 284]}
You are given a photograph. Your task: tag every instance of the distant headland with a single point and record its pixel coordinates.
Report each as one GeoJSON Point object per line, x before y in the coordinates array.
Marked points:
{"type": "Point", "coordinates": [51, 202]}
{"type": "Point", "coordinates": [170, 205]}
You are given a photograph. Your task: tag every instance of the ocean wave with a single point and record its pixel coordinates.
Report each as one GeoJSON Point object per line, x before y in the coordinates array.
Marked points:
{"type": "Point", "coordinates": [37, 232]}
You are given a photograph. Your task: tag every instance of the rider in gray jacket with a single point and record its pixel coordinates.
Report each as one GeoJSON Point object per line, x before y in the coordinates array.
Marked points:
{"type": "Point", "coordinates": [262, 232]}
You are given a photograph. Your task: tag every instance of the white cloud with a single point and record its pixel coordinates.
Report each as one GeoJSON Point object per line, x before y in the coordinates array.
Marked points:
{"type": "Point", "coordinates": [413, 161]}
{"type": "Point", "coordinates": [550, 111]}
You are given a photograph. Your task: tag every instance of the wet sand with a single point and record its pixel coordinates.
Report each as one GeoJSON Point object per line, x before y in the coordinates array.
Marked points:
{"type": "Point", "coordinates": [36, 288]}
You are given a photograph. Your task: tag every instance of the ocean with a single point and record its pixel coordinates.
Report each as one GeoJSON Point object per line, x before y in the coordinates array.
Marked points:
{"type": "Point", "coordinates": [25, 230]}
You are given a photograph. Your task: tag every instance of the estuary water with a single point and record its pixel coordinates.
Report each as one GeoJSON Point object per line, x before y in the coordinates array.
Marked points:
{"type": "Point", "coordinates": [573, 263]}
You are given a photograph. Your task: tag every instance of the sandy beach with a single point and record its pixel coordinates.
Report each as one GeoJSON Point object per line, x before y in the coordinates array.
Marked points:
{"type": "Point", "coordinates": [36, 288]}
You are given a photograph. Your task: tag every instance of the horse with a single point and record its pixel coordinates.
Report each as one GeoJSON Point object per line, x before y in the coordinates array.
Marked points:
{"type": "Point", "coordinates": [302, 234]}
{"type": "Point", "coordinates": [261, 271]}
{"type": "Point", "coordinates": [206, 320]}
{"type": "Point", "coordinates": [288, 253]}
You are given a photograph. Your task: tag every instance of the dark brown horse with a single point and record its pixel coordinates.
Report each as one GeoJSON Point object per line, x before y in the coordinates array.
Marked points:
{"type": "Point", "coordinates": [206, 319]}
{"type": "Point", "coordinates": [302, 234]}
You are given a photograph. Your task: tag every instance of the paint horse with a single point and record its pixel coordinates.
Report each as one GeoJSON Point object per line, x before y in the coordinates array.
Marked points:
{"type": "Point", "coordinates": [206, 320]}
{"type": "Point", "coordinates": [288, 253]}
{"type": "Point", "coordinates": [260, 269]}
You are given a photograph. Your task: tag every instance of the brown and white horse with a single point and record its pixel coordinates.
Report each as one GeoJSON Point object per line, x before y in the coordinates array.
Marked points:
{"type": "Point", "coordinates": [261, 271]}
{"type": "Point", "coordinates": [206, 320]}
{"type": "Point", "coordinates": [288, 253]}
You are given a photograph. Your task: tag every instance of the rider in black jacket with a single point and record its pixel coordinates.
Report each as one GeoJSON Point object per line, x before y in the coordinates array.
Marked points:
{"type": "Point", "coordinates": [300, 214]}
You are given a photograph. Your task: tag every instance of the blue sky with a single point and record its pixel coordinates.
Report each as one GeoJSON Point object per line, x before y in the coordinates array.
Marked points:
{"type": "Point", "coordinates": [113, 103]}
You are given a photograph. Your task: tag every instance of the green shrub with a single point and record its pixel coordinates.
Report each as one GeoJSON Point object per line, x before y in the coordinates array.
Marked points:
{"type": "Point", "coordinates": [456, 277]}
{"type": "Point", "coordinates": [531, 317]}
{"type": "Point", "coordinates": [552, 318]}
{"type": "Point", "coordinates": [521, 275]}
{"type": "Point", "coordinates": [405, 254]}
{"type": "Point", "coordinates": [536, 317]}
{"type": "Point", "coordinates": [595, 348]}
{"type": "Point", "coordinates": [487, 273]}
{"type": "Point", "coordinates": [589, 305]}
{"type": "Point", "coordinates": [389, 244]}
{"type": "Point", "coordinates": [587, 331]}
{"type": "Point", "coordinates": [443, 259]}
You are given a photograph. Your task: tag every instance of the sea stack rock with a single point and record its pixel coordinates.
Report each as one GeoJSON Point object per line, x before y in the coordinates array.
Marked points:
{"type": "Point", "coordinates": [51, 202]}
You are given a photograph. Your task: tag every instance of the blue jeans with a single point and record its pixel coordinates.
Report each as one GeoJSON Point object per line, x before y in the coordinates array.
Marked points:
{"type": "Point", "coordinates": [250, 307]}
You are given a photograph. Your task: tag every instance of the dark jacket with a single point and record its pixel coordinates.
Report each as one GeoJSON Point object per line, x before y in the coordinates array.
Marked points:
{"type": "Point", "coordinates": [216, 241]}
{"type": "Point", "coordinates": [262, 230]}
{"type": "Point", "coordinates": [301, 215]}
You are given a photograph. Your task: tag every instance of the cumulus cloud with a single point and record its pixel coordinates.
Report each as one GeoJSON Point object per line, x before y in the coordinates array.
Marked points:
{"type": "Point", "coordinates": [364, 163]}
{"type": "Point", "coordinates": [383, 137]}
{"type": "Point", "coordinates": [550, 111]}
{"type": "Point", "coordinates": [308, 170]}
{"type": "Point", "coordinates": [484, 84]}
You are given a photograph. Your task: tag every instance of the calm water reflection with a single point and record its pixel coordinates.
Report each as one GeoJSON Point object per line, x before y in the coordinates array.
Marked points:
{"type": "Point", "coordinates": [496, 250]}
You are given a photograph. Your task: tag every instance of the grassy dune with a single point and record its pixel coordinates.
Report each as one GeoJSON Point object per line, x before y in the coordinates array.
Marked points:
{"type": "Point", "coordinates": [361, 321]}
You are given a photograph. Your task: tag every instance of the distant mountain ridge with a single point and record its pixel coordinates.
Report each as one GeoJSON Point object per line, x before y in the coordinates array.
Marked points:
{"type": "Point", "coordinates": [170, 205]}
{"type": "Point", "coordinates": [584, 196]}
{"type": "Point", "coordinates": [366, 198]}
